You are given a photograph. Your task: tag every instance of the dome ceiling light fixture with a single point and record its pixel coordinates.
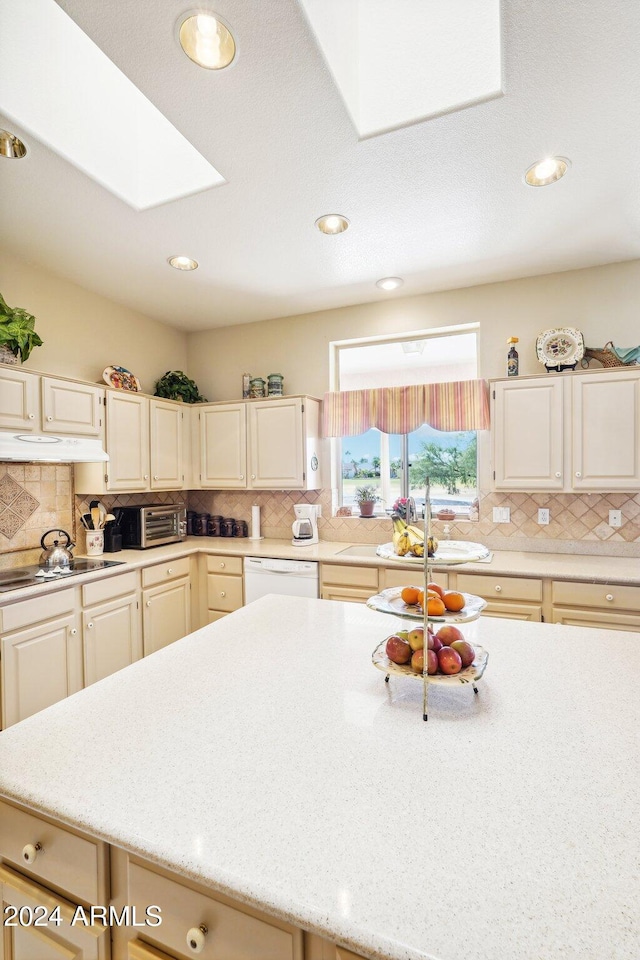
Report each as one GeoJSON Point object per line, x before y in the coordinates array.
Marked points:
{"type": "Point", "coordinates": [182, 263]}
{"type": "Point", "coordinates": [332, 223]}
{"type": "Point", "coordinates": [389, 283]}
{"type": "Point", "coordinates": [543, 172]}
{"type": "Point", "coordinates": [11, 147]}
{"type": "Point", "coordinates": [206, 40]}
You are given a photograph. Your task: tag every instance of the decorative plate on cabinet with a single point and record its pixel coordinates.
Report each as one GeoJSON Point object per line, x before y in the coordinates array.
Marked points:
{"type": "Point", "coordinates": [560, 347]}
{"type": "Point", "coordinates": [121, 379]}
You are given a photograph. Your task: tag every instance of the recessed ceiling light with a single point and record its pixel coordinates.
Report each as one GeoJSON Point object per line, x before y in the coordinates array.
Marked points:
{"type": "Point", "coordinates": [389, 283]}
{"type": "Point", "coordinates": [332, 223]}
{"type": "Point", "coordinates": [207, 41]}
{"type": "Point", "coordinates": [182, 263]}
{"type": "Point", "coordinates": [543, 172]}
{"type": "Point", "coordinates": [11, 147]}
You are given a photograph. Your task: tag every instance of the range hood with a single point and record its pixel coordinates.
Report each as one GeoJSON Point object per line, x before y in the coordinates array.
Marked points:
{"type": "Point", "coordinates": [47, 448]}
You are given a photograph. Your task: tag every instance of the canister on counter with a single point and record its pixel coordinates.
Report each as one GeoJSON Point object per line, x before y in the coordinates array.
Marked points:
{"type": "Point", "coordinates": [226, 527]}
{"type": "Point", "coordinates": [240, 528]}
{"type": "Point", "coordinates": [275, 385]}
{"type": "Point", "coordinates": [191, 516]}
{"type": "Point", "coordinates": [257, 388]}
{"type": "Point", "coordinates": [213, 525]}
{"type": "Point", "coordinates": [200, 524]}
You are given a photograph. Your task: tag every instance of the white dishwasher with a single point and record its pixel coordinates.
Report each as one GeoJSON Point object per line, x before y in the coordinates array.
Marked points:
{"type": "Point", "coordinates": [291, 578]}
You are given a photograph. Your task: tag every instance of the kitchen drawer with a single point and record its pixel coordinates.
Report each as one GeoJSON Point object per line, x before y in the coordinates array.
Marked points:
{"type": "Point", "coordinates": [218, 563]}
{"type": "Point", "coordinates": [27, 613]}
{"type": "Point", "coordinates": [109, 588]}
{"type": "Point", "coordinates": [161, 572]}
{"type": "Point", "coordinates": [603, 619]}
{"type": "Point", "coordinates": [409, 578]}
{"type": "Point", "coordinates": [223, 593]}
{"type": "Point", "coordinates": [342, 575]}
{"type": "Point", "coordinates": [351, 594]}
{"type": "Point", "coordinates": [513, 611]}
{"type": "Point", "coordinates": [231, 933]}
{"type": "Point", "coordinates": [606, 596]}
{"type": "Point", "coordinates": [73, 864]}
{"type": "Point", "coordinates": [500, 588]}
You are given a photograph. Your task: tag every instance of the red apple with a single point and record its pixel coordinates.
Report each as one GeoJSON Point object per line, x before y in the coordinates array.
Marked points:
{"type": "Point", "coordinates": [415, 638]}
{"type": "Point", "coordinates": [447, 634]}
{"type": "Point", "coordinates": [466, 651]}
{"type": "Point", "coordinates": [449, 660]}
{"type": "Point", "coordinates": [417, 661]}
{"type": "Point", "coordinates": [398, 650]}
{"type": "Point", "coordinates": [432, 662]}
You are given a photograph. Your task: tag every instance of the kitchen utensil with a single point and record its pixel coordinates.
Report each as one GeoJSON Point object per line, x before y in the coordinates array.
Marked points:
{"type": "Point", "coordinates": [86, 521]}
{"type": "Point", "coordinates": [57, 555]}
{"type": "Point", "coordinates": [109, 517]}
{"type": "Point", "coordinates": [103, 514]}
{"type": "Point", "coordinates": [95, 514]}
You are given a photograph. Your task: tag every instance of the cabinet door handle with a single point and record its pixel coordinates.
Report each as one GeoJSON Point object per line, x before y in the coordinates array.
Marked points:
{"type": "Point", "coordinates": [609, 597]}
{"type": "Point", "coordinates": [253, 476]}
{"type": "Point", "coordinates": [31, 851]}
{"type": "Point", "coordinates": [148, 603]}
{"type": "Point", "coordinates": [222, 593]}
{"type": "Point", "coordinates": [558, 474]}
{"type": "Point", "coordinates": [222, 565]}
{"type": "Point", "coordinates": [146, 476]}
{"type": "Point", "coordinates": [49, 419]}
{"type": "Point", "coordinates": [32, 416]}
{"type": "Point", "coordinates": [170, 570]}
{"type": "Point", "coordinates": [498, 588]}
{"type": "Point", "coordinates": [578, 474]}
{"type": "Point", "coordinates": [90, 625]}
{"type": "Point", "coordinates": [241, 477]}
{"type": "Point", "coordinates": [73, 631]}
{"type": "Point", "coordinates": [155, 477]}
{"type": "Point", "coordinates": [195, 938]}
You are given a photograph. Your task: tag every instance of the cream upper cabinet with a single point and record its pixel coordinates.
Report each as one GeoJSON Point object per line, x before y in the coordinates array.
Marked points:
{"type": "Point", "coordinates": [527, 434]}
{"type": "Point", "coordinates": [19, 400]}
{"type": "Point", "coordinates": [70, 407]}
{"type": "Point", "coordinates": [606, 431]}
{"type": "Point", "coordinates": [571, 433]}
{"type": "Point", "coordinates": [127, 441]}
{"type": "Point", "coordinates": [223, 446]}
{"type": "Point", "coordinates": [166, 421]}
{"type": "Point", "coordinates": [277, 455]}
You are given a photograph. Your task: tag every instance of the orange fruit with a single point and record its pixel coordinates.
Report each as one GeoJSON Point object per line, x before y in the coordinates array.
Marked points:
{"type": "Point", "coordinates": [410, 594]}
{"type": "Point", "coordinates": [436, 588]}
{"type": "Point", "coordinates": [435, 607]}
{"type": "Point", "coordinates": [421, 598]}
{"type": "Point", "coordinates": [453, 601]}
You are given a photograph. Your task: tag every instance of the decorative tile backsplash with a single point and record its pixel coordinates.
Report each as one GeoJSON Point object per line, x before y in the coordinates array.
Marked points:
{"type": "Point", "coordinates": [34, 498]}
{"type": "Point", "coordinates": [111, 501]}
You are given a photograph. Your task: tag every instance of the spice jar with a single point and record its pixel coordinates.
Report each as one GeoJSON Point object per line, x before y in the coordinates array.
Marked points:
{"type": "Point", "coordinates": [200, 524]}
{"type": "Point", "coordinates": [226, 527]}
{"type": "Point", "coordinates": [275, 385]}
{"type": "Point", "coordinates": [257, 388]}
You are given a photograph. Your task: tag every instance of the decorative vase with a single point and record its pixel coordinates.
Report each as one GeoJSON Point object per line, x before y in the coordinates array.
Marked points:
{"type": "Point", "coordinates": [7, 355]}
{"type": "Point", "coordinates": [366, 508]}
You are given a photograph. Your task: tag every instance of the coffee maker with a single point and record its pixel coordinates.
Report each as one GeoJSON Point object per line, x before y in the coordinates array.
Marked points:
{"type": "Point", "coordinates": [305, 526]}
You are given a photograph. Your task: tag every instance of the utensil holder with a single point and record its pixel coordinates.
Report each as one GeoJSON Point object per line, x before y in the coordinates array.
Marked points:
{"type": "Point", "coordinates": [95, 543]}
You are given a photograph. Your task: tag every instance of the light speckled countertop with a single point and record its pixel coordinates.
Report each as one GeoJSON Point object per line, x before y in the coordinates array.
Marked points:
{"type": "Point", "coordinates": [598, 569]}
{"type": "Point", "coordinates": [505, 828]}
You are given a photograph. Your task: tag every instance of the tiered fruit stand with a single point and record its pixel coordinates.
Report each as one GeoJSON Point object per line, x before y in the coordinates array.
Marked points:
{"type": "Point", "coordinates": [389, 601]}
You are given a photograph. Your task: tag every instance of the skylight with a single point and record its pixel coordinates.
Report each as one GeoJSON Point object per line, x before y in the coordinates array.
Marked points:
{"type": "Point", "coordinates": [64, 91]}
{"type": "Point", "coordinates": [397, 62]}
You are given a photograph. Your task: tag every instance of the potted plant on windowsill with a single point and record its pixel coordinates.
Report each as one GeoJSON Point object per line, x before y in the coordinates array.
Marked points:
{"type": "Point", "coordinates": [366, 498]}
{"type": "Point", "coordinates": [17, 333]}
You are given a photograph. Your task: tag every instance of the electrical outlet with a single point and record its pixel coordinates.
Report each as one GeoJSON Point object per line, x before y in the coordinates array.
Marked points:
{"type": "Point", "coordinates": [543, 516]}
{"type": "Point", "coordinates": [502, 514]}
{"type": "Point", "coordinates": [615, 518]}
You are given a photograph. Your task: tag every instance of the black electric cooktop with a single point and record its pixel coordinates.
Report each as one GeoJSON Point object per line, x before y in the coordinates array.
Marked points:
{"type": "Point", "coordinates": [17, 577]}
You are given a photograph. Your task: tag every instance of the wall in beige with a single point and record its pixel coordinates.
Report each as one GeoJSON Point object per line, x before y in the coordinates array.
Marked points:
{"type": "Point", "coordinates": [600, 301]}
{"type": "Point", "coordinates": [83, 332]}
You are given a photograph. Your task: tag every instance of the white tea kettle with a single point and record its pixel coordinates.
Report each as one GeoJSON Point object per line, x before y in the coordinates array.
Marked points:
{"type": "Point", "coordinates": [57, 555]}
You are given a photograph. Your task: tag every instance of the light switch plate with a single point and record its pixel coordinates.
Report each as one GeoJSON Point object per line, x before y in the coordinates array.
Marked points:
{"type": "Point", "coordinates": [615, 518]}
{"type": "Point", "coordinates": [543, 516]}
{"type": "Point", "coordinates": [502, 514]}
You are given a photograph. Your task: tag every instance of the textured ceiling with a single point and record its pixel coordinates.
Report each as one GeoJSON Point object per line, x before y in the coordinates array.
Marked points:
{"type": "Point", "coordinates": [441, 203]}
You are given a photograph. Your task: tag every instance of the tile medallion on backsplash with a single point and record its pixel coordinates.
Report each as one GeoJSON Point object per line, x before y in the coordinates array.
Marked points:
{"type": "Point", "coordinates": [16, 506]}
{"type": "Point", "coordinates": [24, 505]}
{"type": "Point", "coordinates": [9, 489]}
{"type": "Point", "coordinates": [10, 523]}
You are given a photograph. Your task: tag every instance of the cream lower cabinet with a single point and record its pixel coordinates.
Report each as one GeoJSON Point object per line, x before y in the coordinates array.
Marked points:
{"type": "Point", "coordinates": [166, 604]}
{"type": "Point", "coordinates": [112, 637]}
{"type": "Point", "coordinates": [41, 654]}
{"type": "Point", "coordinates": [47, 871]}
{"type": "Point", "coordinates": [609, 606]}
{"type": "Point", "coordinates": [224, 585]}
{"type": "Point", "coordinates": [346, 582]}
{"type": "Point", "coordinates": [517, 598]}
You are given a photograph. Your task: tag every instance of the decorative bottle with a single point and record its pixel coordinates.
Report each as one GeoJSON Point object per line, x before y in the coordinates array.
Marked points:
{"type": "Point", "coordinates": [512, 358]}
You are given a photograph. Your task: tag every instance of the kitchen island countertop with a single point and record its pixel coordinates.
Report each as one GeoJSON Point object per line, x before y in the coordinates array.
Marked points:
{"type": "Point", "coordinates": [265, 757]}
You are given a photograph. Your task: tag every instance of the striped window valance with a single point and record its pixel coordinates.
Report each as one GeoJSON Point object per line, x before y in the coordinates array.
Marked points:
{"type": "Point", "coordinates": [460, 405]}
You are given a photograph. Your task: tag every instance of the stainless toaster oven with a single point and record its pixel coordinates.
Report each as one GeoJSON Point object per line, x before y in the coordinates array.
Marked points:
{"type": "Point", "coordinates": [152, 525]}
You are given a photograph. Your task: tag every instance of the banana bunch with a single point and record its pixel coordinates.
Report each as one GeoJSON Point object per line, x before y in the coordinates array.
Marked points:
{"type": "Point", "coordinates": [408, 538]}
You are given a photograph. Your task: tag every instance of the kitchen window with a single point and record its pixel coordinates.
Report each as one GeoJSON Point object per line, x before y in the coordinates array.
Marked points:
{"type": "Point", "coordinates": [397, 464]}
